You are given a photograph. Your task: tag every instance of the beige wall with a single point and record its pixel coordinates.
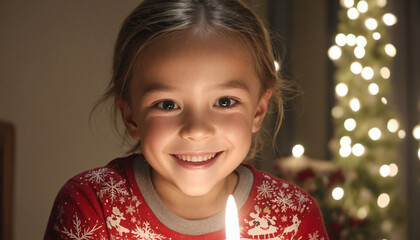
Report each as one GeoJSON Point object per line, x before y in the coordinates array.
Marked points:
{"type": "Point", "coordinates": [55, 59]}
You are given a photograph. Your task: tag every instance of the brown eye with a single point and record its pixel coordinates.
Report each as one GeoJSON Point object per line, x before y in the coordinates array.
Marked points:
{"type": "Point", "coordinates": [167, 105]}
{"type": "Point", "coordinates": [225, 102]}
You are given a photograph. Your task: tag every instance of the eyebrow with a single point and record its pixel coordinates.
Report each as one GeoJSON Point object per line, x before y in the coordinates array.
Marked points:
{"type": "Point", "coordinates": [234, 84]}
{"type": "Point", "coordinates": [157, 86]}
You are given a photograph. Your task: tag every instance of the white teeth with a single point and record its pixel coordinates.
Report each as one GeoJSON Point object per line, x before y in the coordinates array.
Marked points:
{"type": "Point", "coordinates": [196, 158]}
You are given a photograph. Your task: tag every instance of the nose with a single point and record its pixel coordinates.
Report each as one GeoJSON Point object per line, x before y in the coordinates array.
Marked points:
{"type": "Point", "coordinates": [197, 127]}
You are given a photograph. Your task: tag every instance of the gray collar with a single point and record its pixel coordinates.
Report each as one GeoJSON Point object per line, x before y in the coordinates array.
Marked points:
{"type": "Point", "coordinates": [179, 224]}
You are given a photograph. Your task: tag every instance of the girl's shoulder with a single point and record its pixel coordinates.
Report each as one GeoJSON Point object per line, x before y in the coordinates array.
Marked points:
{"type": "Point", "coordinates": [117, 169]}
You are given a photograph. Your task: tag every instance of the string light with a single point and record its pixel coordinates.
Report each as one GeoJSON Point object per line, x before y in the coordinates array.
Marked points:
{"type": "Point", "coordinates": [371, 23]}
{"type": "Point", "coordinates": [356, 68]}
{"type": "Point", "coordinates": [355, 104]}
{"type": "Point", "coordinates": [298, 150]}
{"type": "Point", "coordinates": [374, 134]}
{"type": "Point", "coordinates": [351, 39]}
{"type": "Point", "coordinates": [337, 112]}
{"type": "Point", "coordinates": [347, 3]}
{"type": "Point", "coordinates": [338, 193]}
{"type": "Point", "coordinates": [383, 200]}
{"type": "Point", "coordinates": [334, 52]}
{"type": "Point", "coordinates": [352, 13]}
{"type": "Point", "coordinates": [361, 41]}
{"type": "Point", "coordinates": [416, 132]}
{"type": "Point", "coordinates": [341, 89]}
{"type": "Point", "coordinates": [376, 36]}
{"type": "Point", "coordinates": [350, 124]}
{"type": "Point", "coordinates": [277, 66]}
{"type": "Point", "coordinates": [385, 73]}
{"type": "Point", "coordinates": [401, 134]}
{"type": "Point", "coordinates": [344, 141]}
{"type": "Point", "coordinates": [390, 50]}
{"type": "Point", "coordinates": [358, 149]}
{"type": "Point", "coordinates": [381, 3]}
{"type": "Point", "coordinates": [367, 73]}
{"type": "Point", "coordinates": [385, 170]}
{"type": "Point", "coordinates": [345, 151]}
{"type": "Point", "coordinates": [389, 19]}
{"type": "Point", "coordinates": [393, 125]}
{"type": "Point", "coordinates": [362, 213]}
{"type": "Point", "coordinates": [373, 88]}
{"type": "Point", "coordinates": [341, 39]}
{"type": "Point", "coordinates": [393, 169]}
{"type": "Point", "coordinates": [362, 6]}
{"type": "Point", "coordinates": [359, 52]}
{"type": "Point", "coordinates": [384, 101]}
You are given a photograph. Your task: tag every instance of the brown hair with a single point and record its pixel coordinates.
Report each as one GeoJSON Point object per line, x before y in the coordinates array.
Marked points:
{"type": "Point", "coordinates": [156, 18]}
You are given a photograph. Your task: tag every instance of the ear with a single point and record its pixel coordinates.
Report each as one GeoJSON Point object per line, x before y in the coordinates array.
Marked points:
{"type": "Point", "coordinates": [128, 118]}
{"type": "Point", "coordinates": [261, 110]}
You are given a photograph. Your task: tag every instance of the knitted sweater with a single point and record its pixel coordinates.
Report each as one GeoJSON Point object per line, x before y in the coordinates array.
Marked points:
{"type": "Point", "coordinates": [116, 202]}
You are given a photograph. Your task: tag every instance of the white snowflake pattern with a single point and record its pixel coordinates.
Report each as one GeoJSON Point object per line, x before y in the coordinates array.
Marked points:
{"type": "Point", "coordinates": [122, 200]}
{"type": "Point", "coordinates": [146, 233]}
{"type": "Point", "coordinates": [284, 218]}
{"type": "Point", "coordinates": [265, 190]}
{"type": "Point", "coordinates": [133, 219]}
{"type": "Point", "coordinates": [78, 233]}
{"type": "Point", "coordinates": [284, 200]}
{"type": "Point", "coordinates": [112, 188]}
{"type": "Point", "coordinates": [130, 209]}
{"type": "Point", "coordinates": [301, 198]}
{"type": "Point", "coordinates": [97, 175]}
{"type": "Point", "coordinates": [315, 236]}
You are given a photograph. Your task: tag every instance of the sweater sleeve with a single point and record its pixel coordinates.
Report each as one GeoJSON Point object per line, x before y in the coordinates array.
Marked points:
{"type": "Point", "coordinates": [76, 214]}
{"type": "Point", "coordinates": [312, 225]}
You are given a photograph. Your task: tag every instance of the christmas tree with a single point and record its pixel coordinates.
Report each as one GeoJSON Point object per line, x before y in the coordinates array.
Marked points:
{"type": "Point", "coordinates": [366, 131]}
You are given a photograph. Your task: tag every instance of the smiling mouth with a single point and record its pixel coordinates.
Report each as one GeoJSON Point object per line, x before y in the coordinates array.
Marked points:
{"type": "Point", "coordinates": [195, 157]}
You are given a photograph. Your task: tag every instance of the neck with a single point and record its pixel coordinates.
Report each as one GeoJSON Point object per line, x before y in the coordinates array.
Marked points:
{"type": "Point", "coordinates": [195, 207]}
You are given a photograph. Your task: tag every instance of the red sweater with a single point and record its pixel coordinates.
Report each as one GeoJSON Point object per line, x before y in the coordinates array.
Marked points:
{"type": "Point", "coordinates": [106, 203]}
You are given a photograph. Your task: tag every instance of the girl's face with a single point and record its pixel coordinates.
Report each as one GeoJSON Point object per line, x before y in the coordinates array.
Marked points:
{"type": "Point", "coordinates": [194, 103]}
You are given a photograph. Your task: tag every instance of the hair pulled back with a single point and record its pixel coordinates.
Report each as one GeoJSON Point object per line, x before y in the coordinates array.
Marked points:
{"type": "Point", "coordinates": [153, 19]}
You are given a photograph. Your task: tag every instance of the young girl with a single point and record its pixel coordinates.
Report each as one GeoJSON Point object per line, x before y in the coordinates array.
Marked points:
{"type": "Point", "coordinates": [192, 81]}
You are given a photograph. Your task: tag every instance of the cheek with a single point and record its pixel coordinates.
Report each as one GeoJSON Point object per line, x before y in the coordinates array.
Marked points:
{"type": "Point", "coordinates": [156, 131]}
{"type": "Point", "coordinates": [237, 128]}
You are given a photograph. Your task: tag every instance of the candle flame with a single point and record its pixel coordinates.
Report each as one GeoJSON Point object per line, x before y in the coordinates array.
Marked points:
{"type": "Point", "coordinates": [232, 223]}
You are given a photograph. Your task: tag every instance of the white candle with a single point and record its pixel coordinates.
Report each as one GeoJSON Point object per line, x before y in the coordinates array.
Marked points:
{"type": "Point", "coordinates": [231, 220]}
